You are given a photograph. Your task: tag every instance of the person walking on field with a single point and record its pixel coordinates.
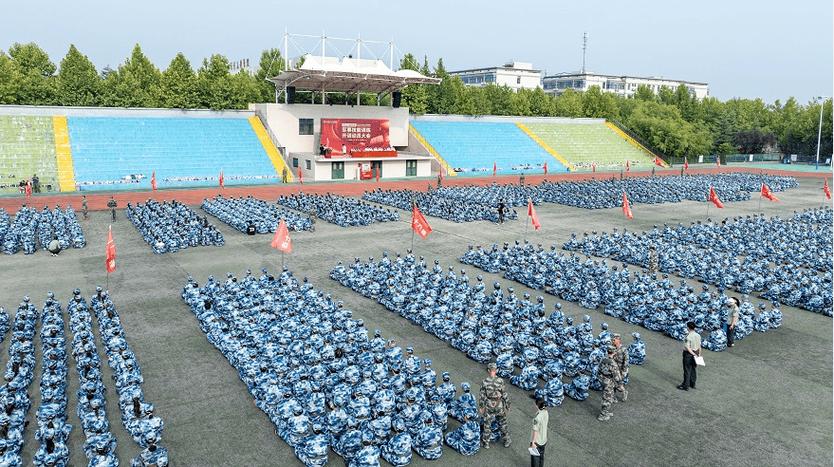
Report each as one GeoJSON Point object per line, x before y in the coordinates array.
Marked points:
{"type": "Point", "coordinates": [691, 349]}
{"type": "Point", "coordinates": [501, 208]}
{"type": "Point", "coordinates": [112, 205]}
{"type": "Point", "coordinates": [609, 375]}
{"type": "Point", "coordinates": [494, 404]}
{"type": "Point", "coordinates": [538, 437]}
{"type": "Point", "coordinates": [621, 359]}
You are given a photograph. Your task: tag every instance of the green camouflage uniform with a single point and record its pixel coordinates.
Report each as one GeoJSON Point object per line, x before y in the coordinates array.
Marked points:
{"type": "Point", "coordinates": [609, 374]}
{"type": "Point", "coordinates": [494, 403]}
{"type": "Point", "coordinates": [621, 358]}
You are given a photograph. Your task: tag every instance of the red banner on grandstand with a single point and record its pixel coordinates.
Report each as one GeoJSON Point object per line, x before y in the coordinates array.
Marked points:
{"type": "Point", "coordinates": [356, 137]}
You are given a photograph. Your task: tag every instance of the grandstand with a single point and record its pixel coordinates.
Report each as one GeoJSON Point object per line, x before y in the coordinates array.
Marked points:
{"type": "Point", "coordinates": [584, 143]}
{"type": "Point", "coordinates": [122, 153]}
{"type": "Point", "coordinates": [471, 147]}
{"type": "Point", "coordinates": [27, 147]}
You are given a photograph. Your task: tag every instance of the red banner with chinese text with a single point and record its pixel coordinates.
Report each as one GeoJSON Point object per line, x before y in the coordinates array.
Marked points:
{"type": "Point", "coordinates": [356, 137]}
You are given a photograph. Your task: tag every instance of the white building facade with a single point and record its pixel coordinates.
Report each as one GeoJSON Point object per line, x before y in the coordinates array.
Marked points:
{"type": "Point", "coordinates": [621, 85]}
{"type": "Point", "coordinates": [514, 75]}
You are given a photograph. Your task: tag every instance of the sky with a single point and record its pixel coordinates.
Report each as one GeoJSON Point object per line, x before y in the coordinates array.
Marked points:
{"type": "Point", "coordinates": [769, 49]}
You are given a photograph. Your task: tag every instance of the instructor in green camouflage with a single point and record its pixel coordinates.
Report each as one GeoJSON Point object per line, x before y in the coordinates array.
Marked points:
{"type": "Point", "coordinates": [493, 404]}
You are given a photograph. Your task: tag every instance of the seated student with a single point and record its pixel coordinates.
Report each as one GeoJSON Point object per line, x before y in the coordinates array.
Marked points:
{"type": "Point", "coordinates": [54, 246]}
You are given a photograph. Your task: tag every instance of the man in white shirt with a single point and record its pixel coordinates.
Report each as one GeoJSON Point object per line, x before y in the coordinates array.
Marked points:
{"type": "Point", "coordinates": [538, 437]}
{"type": "Point", "coordinates": [691, 348]}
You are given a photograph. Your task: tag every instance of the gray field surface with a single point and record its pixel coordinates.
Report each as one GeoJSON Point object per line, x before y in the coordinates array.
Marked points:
{"type": "Point", "coordinates": [768, 401]}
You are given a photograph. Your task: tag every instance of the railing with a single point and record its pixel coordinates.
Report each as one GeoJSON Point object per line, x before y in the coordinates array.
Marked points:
{"type": "Point", "coordinates": [640, 140]}
{"type": "Point", "coordinates": [281, 149]}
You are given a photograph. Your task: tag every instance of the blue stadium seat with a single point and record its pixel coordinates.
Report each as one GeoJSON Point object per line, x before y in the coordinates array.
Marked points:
{"type": "Point", "coordinates": [121, 153]}
{"type": "Point", "coordinates": [472, 147]}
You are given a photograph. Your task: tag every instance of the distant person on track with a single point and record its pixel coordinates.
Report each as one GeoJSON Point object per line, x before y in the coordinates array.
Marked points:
{"type": "Point", "coordinates": [284, 175]}
{"type": "Point", "coordinates": [501, 208]}
{"type": "Point", "coordinates": [84, 210]}
{"type": "Point", "coordinates": [36, 183]}
{"type": "Point", "coordinates": [112, 205]}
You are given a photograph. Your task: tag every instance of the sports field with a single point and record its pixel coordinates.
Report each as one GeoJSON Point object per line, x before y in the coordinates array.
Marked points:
{"type": "Point", "coordinates": [767, 401]}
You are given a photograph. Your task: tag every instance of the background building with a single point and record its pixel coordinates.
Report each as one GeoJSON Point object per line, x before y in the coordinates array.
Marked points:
{"type": "Point", "coordinates": [515, 75]}
{"type": "Point", "coordinates": [622, 85]}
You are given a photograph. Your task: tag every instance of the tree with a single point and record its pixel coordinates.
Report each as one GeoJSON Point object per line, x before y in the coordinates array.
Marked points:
{"type": "Point", "coordinates": [134, 84]}
{"type": "Point", "coordinates": [270, 66]}
{"type": "Point", "coordinates": [753, 141]}
{"type": "Point", "coordinates": [644, 93]}
{"type": "Point", "coordinates": [178, 85]}
{"type": "Point", "coordinates": [9, 80]}
{"type": "Point", "coordinates": [36, 74]}
{"type": "Point", "coordinates": [569, 104]}
{"type": "Point", "coordinates": [78, 80]}
{"type": "Point", "coordinates": [415, 96]}
{"type": "Point", "coordinates": [597, 104]}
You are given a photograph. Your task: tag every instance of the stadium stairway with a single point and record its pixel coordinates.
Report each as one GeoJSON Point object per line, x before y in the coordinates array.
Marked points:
{"type": "Point", "coordinates": [27, 147]}
{"type": "Point", "coordinates": [587, 143]}
{"type": "Point", "coordinates": [471, 148]}
{"type": "Point", "coordinates": [117, 153]}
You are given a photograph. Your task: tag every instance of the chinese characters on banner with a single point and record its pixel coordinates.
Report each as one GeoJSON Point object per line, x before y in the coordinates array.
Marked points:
{"type": "Point", "coordinates": [356, 137]}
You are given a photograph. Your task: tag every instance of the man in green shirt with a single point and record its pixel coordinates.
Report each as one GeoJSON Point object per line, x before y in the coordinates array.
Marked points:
{"type": "Point", "coordinates": [691, 348]}
{"type": "Point", "coordinates": [538, 437]}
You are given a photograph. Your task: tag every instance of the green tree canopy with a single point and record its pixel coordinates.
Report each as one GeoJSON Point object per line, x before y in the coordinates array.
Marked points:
{"type": "Point", "coordinates": [78, 81]}
{"type": "Point", "coordinates": [178, 85]}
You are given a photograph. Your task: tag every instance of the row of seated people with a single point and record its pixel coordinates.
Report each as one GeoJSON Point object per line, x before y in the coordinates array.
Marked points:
{"type": "Point", "coordinates": [321, 380]}
{"type": "Point", "coordinates": [510, 194]}
{"type": "Point", "coordinates": [514, 331]}
{"type": "Point", "coordinates": [32, 229]}
{"type": "Point", "coordinates": [778, 281]}
{"type": "Point", "coordinates": [608, 193]}
{"type": "Point", "coordinates": [53, 429]}
{"type": "Point", "coordinates": [172, 226]}
{"type": "Point", "coordinates": [14, 395]}
{"type": "Point", "coordinates": [433, 204]}
{"type": "Point", "coordinates": [99, 442]}
{"type": "Point", "coordinates": [793, 241]}
{"type": "Point", "coordinates": [137, 414]}
{"type": "Point", "coordinates": [638, 298]}
{"type": "Point", "coordinates": [251, 215]}
{"type": "Point", "coordinates": [339, 210]}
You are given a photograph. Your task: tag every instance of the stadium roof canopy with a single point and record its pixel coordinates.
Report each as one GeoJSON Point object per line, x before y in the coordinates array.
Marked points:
{"type": "Point", "coordinates": [332, 74]}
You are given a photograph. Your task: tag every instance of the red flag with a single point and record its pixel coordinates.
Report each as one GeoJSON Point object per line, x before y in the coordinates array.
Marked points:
{"type": "Point", "coordinates": [221, 180]}
{"type": "Point", "coordinates": [594, 167]}
{"type": "Point", "coordinates": [545, 168]}
{"type": "Point", "coordinates": [153, 180]}
{"type": "Point", "coordinates": [658, 162]}
{"type": "Point", "coordinates": [28, 189]}
{"type": "Point", "coordinates": [825, 188]}
{"type": "Point", "coordinates": [110, 252]}
{"type": "Point", "coordinates": [766, 193]}
{"type": "Point", "coordinates": [713, 197]}
{"type": "Point", "coordinates": [685, 164]}
{"type": "Point", "coordinates": [531, 212]}
{"type": "Point", "coordinates": [300, 177]}
{"type": "Point", "coordinates": [628, 165]}
{"type": "Point", "coordinates": [419, 223]}
{"type": "Point", "coordinates": [494, 168]}
{"type": "Point", "coordinates": [627, 207]}
{"type": "Point", "coordinates": [281, 240]}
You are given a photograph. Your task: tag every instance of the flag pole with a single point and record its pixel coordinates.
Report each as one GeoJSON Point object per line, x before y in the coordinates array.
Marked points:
{"type": "Point", "coordinates": [413, 203]}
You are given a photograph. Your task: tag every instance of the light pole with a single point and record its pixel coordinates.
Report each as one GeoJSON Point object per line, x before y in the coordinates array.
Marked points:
{"type": "Point", "coordinates": [819, 132]}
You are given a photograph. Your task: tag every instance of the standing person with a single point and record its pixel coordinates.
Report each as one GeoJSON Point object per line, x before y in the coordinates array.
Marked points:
{"type": "Point", "coordinates": [732, 319]}
{"type": "Point", "coordinates": [653, 263]}
{"type": "Point", "coordinates": [36, 183]}
{"type": "Point", "coordinates": [621, 358]}
{"type": "Point", "coordinates": [609, 374]}
{"type": "Point", "coordinates": [439, 180]}
{"type": "Point", "coordinates": [284, 175]}
{"type": "Point", "coordinates": [112, 205]}
{"type": "Point", "coordinates": [691, 348]}
{"type": "Point", "coordinates": [521, 179]}
{"type": "Point", "coordinates": [501, 208]}
{"type": "Point", "coordinates": [494, 404]}
{"type": "Point", "coordinates": [84, 210]}
{"type": "Point", "coordinates": [538, 437]}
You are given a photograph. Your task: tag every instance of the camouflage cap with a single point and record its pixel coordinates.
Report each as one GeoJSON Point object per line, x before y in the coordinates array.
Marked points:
{"type": "Point", "coordinates": [611, 349]}
{"type": "Point", "coordinates": [616, 335]}
{"type": "Point", "coordinates": [492, 366]}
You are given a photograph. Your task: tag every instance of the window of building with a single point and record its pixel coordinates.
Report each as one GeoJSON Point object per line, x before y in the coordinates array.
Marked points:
{"type": "Point", "coordinates": [305, 126]}
{"type": "Point", "coordinates": [518, 80]}
{"type": "Point", "coordinates": [410, 168]}
{"type": "Point", "coordinates": [489, 78]}
{"type": "Point", "coordinates": [295, 162]}
{"type": "Point", "coordinates": [307, 164]}
{"type": "Point", "coordinates": [337, 170]}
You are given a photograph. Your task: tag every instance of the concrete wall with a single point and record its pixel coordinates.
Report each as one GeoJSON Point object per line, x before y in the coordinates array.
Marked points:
{"type": "Point", "coordinates": [282, 119]}
{"type": "Point", "coordinates": [322, 170]}
{"type": "Point", "coordinates": [48, 110]}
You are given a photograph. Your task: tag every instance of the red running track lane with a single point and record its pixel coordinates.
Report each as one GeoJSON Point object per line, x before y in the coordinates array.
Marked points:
{"type": "Point", "coordinates": [97, 201]}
